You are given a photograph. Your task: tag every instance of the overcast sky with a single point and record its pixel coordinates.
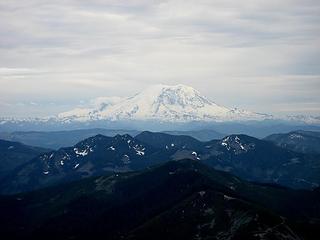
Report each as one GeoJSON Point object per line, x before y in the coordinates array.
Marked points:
{"type": "Point", "coordinates": [257, 55]}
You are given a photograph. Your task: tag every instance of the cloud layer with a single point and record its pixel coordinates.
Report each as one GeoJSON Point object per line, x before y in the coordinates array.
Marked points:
{"type": "Point", "coordinates": [258, 55]}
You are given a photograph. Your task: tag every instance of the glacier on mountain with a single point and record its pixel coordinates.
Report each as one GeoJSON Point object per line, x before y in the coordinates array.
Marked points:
{"type": "Point", "coordinates": [163, 103]}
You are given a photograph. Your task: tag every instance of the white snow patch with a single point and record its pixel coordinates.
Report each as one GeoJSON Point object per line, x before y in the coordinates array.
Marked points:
{"type": "Point", "coordinates": [202, 193]}
{"type": "Point", "coordinates": [226, 197]}
{"type": "Point", "coordinates": [112, 148]}
{"type": "Point", "coordinates": [235, 144]}
{"type": "Point", "coordinates": [81, 152]}
{"type": "Point", "coordinates": [225, 143]}
{"type": "Point", "coordinates": [295, 136]}
{"type": "Point", "coordinates": [141, 153]}
{"type": "Point", "coordinates": [66, 156]}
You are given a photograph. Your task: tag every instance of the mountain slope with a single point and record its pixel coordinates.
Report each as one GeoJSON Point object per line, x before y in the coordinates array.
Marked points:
{"type": "Point", "coordinates": [91, 157]}
{"type": "Point", "coordinates": [244, 156]}
{"type": "Point", "coordinates": [299, 141]}
{"type": "Point", "coordinates": [167, 141]}
{"type": "Point", "coordinates": [14, 154]}
{"type": "Point", "coordinates": [178, 103]}
{"type": "Point", "coordinates": [262, 161]}
{"type": "Point", "coordinates": [178, 200]}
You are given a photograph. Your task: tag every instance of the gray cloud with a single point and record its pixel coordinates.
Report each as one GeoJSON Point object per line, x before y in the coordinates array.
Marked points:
{"type": "Point", "coordinates": [261, 56]}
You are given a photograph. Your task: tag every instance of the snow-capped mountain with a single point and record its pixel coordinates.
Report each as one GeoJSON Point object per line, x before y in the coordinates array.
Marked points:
{"type": "Point", "coordinates": [164, 103]}
{"type": "Point", "coordinates": [92, 112]}
{"type": "Point", "coordinates": [161, 108]}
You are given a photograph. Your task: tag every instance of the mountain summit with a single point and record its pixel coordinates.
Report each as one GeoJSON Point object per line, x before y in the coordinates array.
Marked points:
{"type": "Point", "coordinates": [179, 103]}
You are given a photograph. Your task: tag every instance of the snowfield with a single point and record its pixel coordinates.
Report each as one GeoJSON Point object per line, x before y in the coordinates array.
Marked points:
{"type": "Point", "coordinates": [165, 103]}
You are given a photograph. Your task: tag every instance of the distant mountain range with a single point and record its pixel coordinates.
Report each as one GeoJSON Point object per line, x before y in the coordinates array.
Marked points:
{"type": "Point", "coordinates": [299, 141]}
{"type": "Point", "coordinates": [157, 108]}
{"type": "Point", "coordinates": [247, 157]}
{"type": "Point", "coordinates": [59, 139]}
{"type": "Point", "coordinates": [176, 200]}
